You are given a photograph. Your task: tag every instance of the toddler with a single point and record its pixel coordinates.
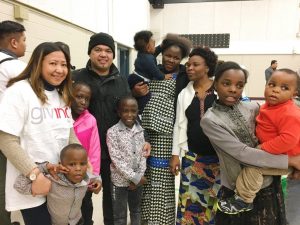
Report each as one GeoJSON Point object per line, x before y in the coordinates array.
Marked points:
{"type": "Point", "coordinates": [146, 68]}
{"type": "Point", "coordinates": [66, 193]}
{"type": "Point", "coordinates": [278, 131]}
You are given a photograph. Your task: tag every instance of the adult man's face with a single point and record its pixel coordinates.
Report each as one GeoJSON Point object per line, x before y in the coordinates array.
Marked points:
{"type": "Point", "coordinates": [274, 66]}
{"type": "Point", "coordinates": [101, 57]}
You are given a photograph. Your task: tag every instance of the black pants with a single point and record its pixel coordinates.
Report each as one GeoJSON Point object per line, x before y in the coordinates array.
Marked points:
{"type": "Point", "coordinates": [4, 215]}
{"type": "Point", "coordinates": [106, 184]}
{"type": "Point", "coordinates": [36, 216]}
{"type": "Point", "coordinates": [87, 208]}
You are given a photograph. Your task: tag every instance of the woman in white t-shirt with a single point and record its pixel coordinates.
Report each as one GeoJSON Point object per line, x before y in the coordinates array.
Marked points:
{"type": "Point", "coordinates": [35, 124]}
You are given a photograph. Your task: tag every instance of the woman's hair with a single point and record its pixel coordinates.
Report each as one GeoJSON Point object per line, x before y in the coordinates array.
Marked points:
{"type": "Point", "coordinates": [222, 67]}
{"type": "Point", "coordinates": [175, 40]}
{"type": "Point", "coordinates": [209, 56]}
{"type": "Point", "coordinates": [141, 39]}
{"type": "Point", "coordinates": [33, 72]}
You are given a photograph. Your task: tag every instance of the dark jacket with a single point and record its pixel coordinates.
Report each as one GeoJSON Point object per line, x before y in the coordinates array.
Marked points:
{"type": "Point", "coordinates": [106, 91]}
{"type": "Point", "coordinates": [146, 65]}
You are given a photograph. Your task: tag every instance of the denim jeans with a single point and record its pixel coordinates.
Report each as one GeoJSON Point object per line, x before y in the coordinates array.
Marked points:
{"type": "Point", "coordinates": [120, 197]}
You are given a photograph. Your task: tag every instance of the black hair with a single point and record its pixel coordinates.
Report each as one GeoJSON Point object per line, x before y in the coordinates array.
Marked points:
{"type": "Point", "coordinates": [123, 99]}
{"type": "Point", "coordinates": [141, 39]}
{"type": "Point", "coordinates": [209, 56]}
{"type": "Point", "coordinates": [273, 61]}
{"type": "Point", "coordinates": [77, 83]}
{"type": "Point", "coordinates": [291, 72]}
{"type": "Point", "coordinates": [229, 65]}
{"type": "Point", "coordinates": [175, 40]}
{"type": "Point", "coordinates": [8, 27]}
{"type": "Point", "coordinates": [71, 147]}
{"type": "Point", "coordinates": [64, 47]}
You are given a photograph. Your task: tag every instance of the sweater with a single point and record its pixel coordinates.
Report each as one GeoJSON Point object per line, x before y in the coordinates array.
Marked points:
{"type": "Point", "coordinates": [278, 128]}
{"type": "Point", "coordinates": [231, 132]}
{"type": "Point", "coordinates": [85, 127]}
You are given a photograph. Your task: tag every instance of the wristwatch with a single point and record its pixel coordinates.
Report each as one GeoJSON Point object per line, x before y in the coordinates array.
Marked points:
{"type": "Point", "coordinates": [33, 175]}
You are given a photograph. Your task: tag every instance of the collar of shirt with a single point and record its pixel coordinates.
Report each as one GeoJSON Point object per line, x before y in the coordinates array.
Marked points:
{"type": "Point", "coordinates": [135, 129]}
{"type": "Point", "coordinates": [6, 51]}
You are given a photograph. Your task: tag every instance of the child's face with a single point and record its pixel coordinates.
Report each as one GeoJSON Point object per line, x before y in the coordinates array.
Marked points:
{"type": "Point", "coordinates": [151, 46]}
{"type": "Point", "coordinates": [230, 86]}
{"type": "Point", "coordinates": [280, 88]}
{"type": "Point", "coordinates": [196, 68]}
{"type": "Point", "coordinates": [76, 162]}
{"type": "Point", "coordinates": [82, 96]}
{"type": "Point", "coordinates": [128, 112]}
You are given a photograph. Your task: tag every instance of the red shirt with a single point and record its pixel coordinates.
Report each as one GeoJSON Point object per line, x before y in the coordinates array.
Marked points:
{"type": "Point", "coordinates": [278, 128]}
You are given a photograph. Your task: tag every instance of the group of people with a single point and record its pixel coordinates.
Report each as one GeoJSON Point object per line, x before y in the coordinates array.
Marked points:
{"type": "Point", "coordinates": [66, 134]}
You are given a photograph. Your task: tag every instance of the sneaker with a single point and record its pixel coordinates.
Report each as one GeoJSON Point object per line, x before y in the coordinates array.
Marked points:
{"type": "Point", "coordinates": [234, 205]}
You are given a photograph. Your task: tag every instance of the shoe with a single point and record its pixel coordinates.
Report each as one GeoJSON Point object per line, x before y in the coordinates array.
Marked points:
{"type": "Point", "coordinates": [234, 205]}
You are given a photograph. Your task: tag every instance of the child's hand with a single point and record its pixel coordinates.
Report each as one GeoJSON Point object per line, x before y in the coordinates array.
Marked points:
{"type": "Point", "coordinates": [95, 186]}
{"type": "Point", "coordinates": [258, 146]}
{"type": "Point", "coordinates": [147, 149]}
{"type": "Point", "coordinates": [132, 186]}
{"type": "Point", "coordinates": [168, 76]}
{"type": "Point", "coordinates": [54, 169]}
{"type": "Point", "coordinates": [142, 181]}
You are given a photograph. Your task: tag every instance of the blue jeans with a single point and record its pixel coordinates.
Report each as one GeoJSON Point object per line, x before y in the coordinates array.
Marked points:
{"type": "Point", "coordinates": [120, 197]}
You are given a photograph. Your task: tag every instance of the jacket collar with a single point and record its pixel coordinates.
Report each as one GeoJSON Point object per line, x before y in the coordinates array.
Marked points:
{"type": "Point", "coordinates": [136, 127]}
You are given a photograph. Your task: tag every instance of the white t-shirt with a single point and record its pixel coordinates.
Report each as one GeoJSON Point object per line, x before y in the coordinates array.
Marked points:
{"type": "Point", "coordinates": [43, 130]}
{"type": "Point", "coordinates": [9, 69]}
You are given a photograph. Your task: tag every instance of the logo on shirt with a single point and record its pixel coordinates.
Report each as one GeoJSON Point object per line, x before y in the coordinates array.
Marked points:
{"type": "Point", "coordinates": [39, 114]}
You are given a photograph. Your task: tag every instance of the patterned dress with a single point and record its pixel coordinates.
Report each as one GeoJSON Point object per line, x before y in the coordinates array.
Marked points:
{"type": "Point", "coordinates": [200, 170]}
{"type": "Point", "coordinates": [158, 205]}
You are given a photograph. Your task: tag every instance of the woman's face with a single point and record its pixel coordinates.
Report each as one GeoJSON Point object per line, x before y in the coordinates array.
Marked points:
{"type": "Point", "coordinates": [196, 68]}
{"type": "Point", "coordinates": [230, 86]}
{"type": "Point", "coordinates": [54, 68]}
{"type": "Point", "coordinates": [171, 58]}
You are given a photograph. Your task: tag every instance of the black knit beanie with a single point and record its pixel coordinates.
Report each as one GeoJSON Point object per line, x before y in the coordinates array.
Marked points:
{"type": "Point", "coordinates": [102, 39]}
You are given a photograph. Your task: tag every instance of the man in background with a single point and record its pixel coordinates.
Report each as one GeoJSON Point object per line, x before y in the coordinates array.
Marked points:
{"type": "Point", "coordinates": [12, 46]}
{"type": "Point", "coordinates": [270, 69]}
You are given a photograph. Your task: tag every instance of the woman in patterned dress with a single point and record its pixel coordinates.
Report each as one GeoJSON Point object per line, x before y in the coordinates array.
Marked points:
{"type": "Point", "coordinates": [158, 205]}
{"type": "Point", "coordinates": [199, 183]}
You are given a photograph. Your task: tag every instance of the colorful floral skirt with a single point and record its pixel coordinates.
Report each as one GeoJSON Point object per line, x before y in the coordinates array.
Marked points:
{"type": "Point", "coordinates": [198, 192]}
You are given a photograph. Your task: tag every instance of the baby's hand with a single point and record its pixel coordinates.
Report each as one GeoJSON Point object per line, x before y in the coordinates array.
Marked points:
{"type": "Point", "coordinates": [168, 76]}
{"type": "Point", "coordinates": [258, 146]}
{"type": "Point", "coordinates": [95, 186]}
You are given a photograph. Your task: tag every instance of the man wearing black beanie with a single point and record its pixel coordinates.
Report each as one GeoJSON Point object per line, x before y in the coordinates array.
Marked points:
{"type": "Point", "coordinates": [107, 87]}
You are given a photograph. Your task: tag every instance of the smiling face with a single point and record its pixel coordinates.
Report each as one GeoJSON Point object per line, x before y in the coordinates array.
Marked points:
{"type": "Point", "coordinates": [76, 161]}
{"type": "Point", "coordinates": [54, 68]}
{"type": "Point", "coordinates": [128, 111]}
{"type": "Point", "coordinates": [82, 96]}
{"type": "Point", "coordinates": [171, 58]}
{"type": "Point", "coordinates": [280, 88]}
{"type": "Point", "coordinates": [101, 57]}
{"type": "Point", "coordinates": [230, 86]}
